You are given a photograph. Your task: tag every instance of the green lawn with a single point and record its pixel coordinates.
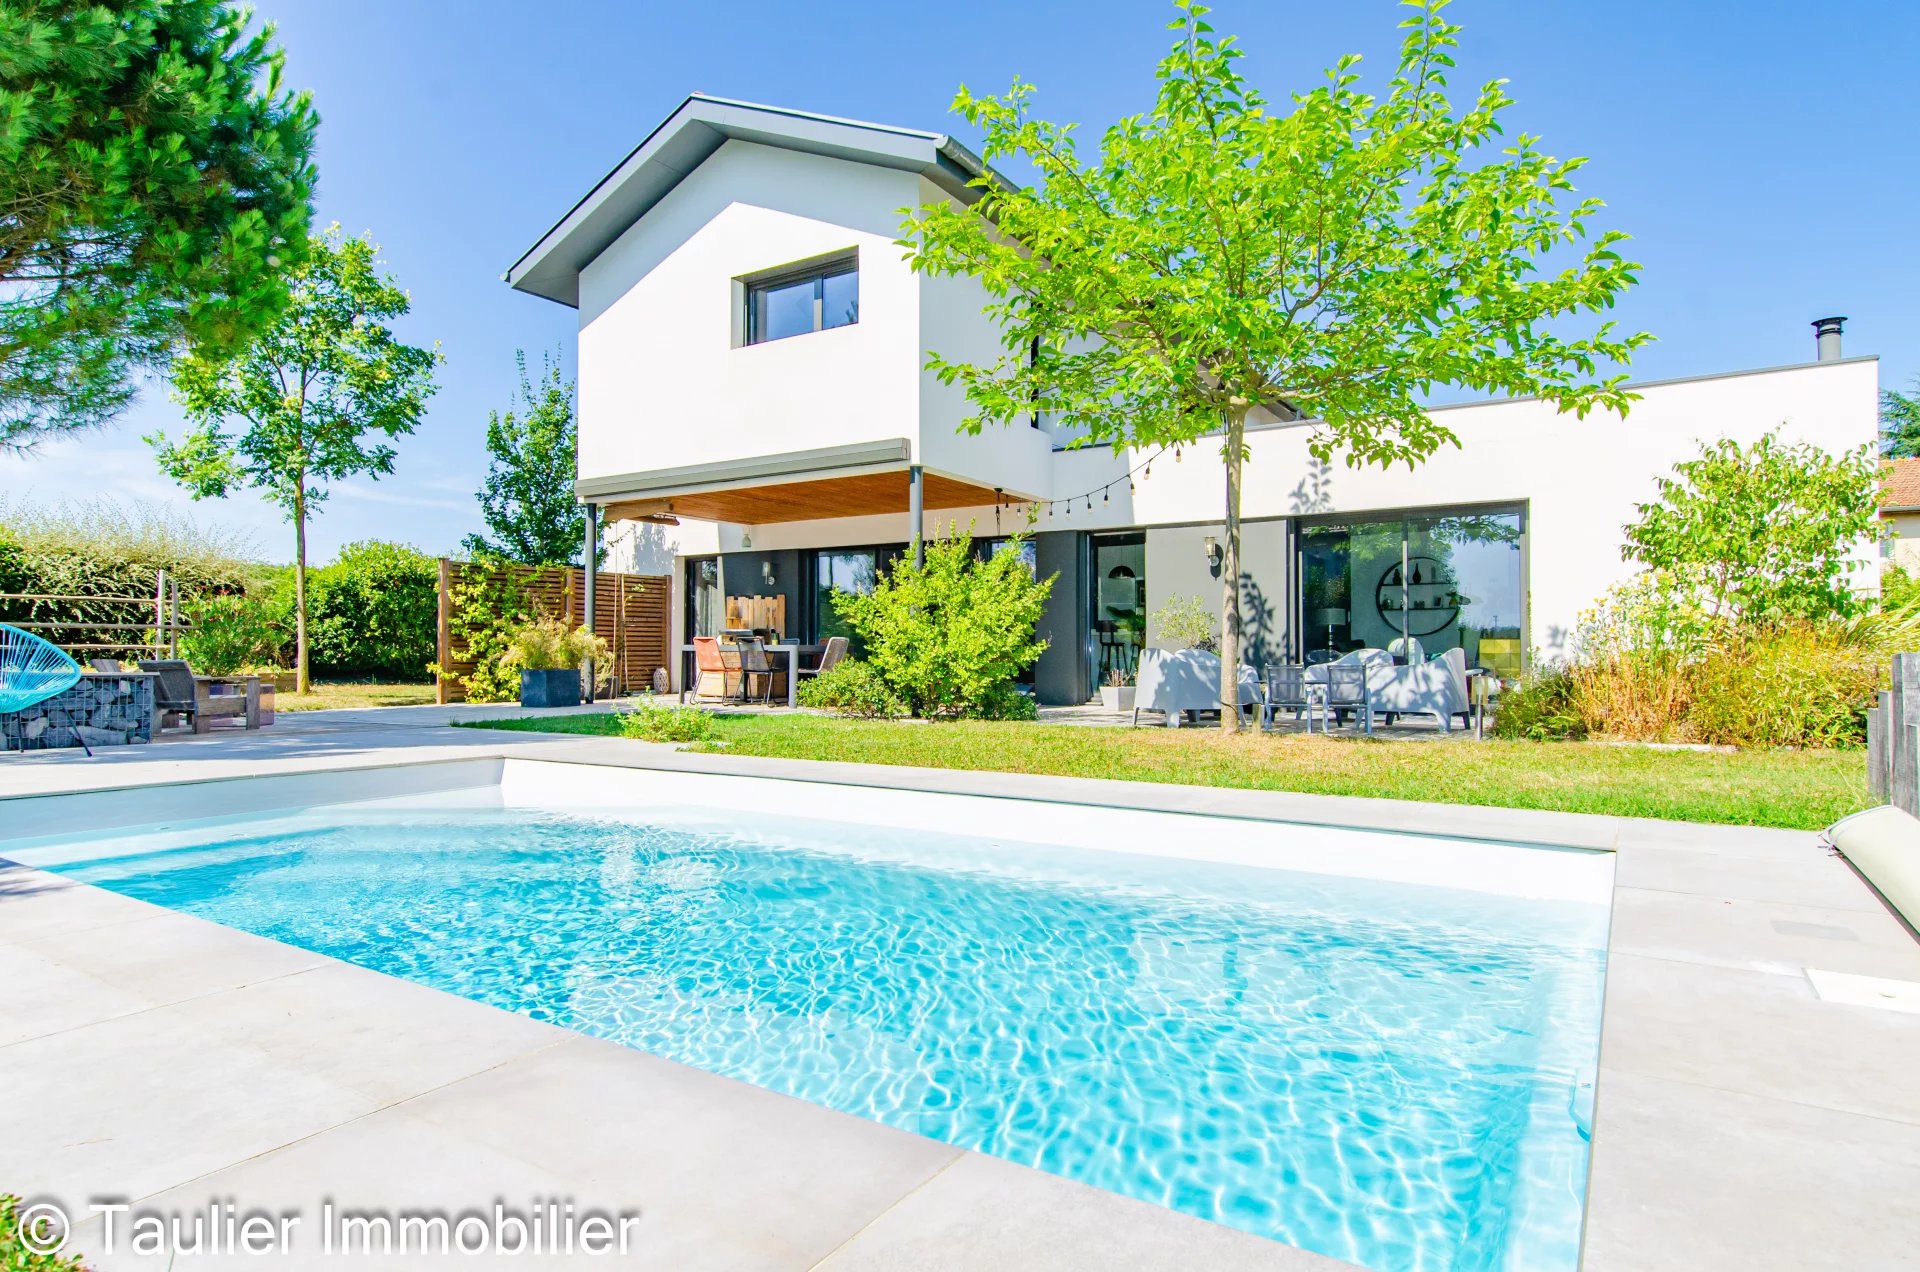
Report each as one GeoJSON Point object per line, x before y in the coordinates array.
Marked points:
{"type": "Point", "coordinates": [1798, 789]}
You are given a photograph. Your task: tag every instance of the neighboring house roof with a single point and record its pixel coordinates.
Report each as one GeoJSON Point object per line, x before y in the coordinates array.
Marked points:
{"type": "Point", "coordinates": [1899, 486]}
{"type": "Point", "coordinates": [702, 124]}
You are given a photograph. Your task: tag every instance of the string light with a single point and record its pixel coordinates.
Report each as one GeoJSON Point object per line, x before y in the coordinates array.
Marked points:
{"type": "Point", "coordinates": [1145, 470]}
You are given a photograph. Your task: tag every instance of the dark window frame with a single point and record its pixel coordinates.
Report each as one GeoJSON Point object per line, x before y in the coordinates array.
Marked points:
{"type": "Point", "coordinates": [817, 272]}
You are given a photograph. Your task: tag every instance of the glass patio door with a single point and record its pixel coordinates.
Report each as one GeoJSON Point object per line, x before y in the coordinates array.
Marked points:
{"type": "Point", "coordinates": [1118, 605]}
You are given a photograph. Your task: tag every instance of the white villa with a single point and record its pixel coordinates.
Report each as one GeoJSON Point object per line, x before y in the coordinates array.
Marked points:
{"type": "Point", "coordinates": [756, 419]}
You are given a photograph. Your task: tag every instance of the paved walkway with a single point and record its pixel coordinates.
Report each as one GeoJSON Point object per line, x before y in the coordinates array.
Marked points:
{"type": "Point", "coordinates": [1742, 1121]}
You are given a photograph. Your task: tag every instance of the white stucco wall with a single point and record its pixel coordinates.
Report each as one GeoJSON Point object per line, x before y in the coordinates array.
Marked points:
{"type": "Point", "coordinates": [665, 380]}
{"type": "Point", "coordinates": [1902, 545]}
{"type": "Point", "coordinates": [662, 383]}
{"type": "Point", "coordinates": [1579, 479]}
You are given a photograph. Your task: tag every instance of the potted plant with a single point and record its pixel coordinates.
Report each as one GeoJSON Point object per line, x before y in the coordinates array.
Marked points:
{"type": "Point", "coordinates": [1117, 693]}
{"type": "Point", "coordinates": [549, 653]}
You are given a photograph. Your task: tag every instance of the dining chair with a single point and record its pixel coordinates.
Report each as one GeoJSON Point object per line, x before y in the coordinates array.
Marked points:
{"type": "Point", "coordinates": [754, 663]}
{"type": "Point", "coordinates": [830, 656]}
{"type": "Point", "coordinates": [710, 666]}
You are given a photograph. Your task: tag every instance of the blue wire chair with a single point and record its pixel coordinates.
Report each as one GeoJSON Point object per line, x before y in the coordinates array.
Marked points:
{"type": "Point", "coordinates": [31, 670]}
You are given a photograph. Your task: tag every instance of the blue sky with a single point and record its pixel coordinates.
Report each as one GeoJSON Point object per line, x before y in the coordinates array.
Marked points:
{"type": "Point", "coordinates": [1760, 153]}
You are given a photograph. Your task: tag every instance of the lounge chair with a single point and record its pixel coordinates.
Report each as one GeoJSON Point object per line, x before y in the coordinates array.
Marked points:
{"type": "Point", "coordinates": [1436, 687]}
{"type": "Point", "coordinates": [1175, 681]}
{"type": "Point", "coordinates": [180, 693]}
{"type": "Point", "coordinates": [32, 669]}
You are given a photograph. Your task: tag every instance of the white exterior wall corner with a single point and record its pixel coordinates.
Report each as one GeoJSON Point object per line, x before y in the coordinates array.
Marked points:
{"type": "Point", "coordinates": [954, 324]}
{"type": "Point", "coordinates": [661, 381]}
{"type": "Point", "coordinates": [1580, 479]}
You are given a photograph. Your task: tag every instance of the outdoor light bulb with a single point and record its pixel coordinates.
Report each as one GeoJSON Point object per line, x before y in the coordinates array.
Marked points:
{"type": "Point", "coordinates": [1176, 454]}
{"type": "Point", "coordinates": [1104, 497]}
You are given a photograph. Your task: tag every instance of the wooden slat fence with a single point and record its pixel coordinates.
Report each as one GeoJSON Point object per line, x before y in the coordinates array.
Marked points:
{"type": "Point", "coordinates": [1893, 739]}
{"type": "Point", "coordinates": [630, 611]}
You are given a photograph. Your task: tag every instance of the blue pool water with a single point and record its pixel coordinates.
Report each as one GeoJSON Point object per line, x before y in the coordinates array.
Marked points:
{"type": "Point", "coordinates": [1381, 1072]}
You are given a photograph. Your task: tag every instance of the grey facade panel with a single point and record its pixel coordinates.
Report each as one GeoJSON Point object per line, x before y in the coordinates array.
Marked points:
{"type": "Point", "coordinates": [1177, 566]}
{"type": "Point", "coordinates": [744, 574]}
{"type": "Point", "coordinates": [1060, 677]}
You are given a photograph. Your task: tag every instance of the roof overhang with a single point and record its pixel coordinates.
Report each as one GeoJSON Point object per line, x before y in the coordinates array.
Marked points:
{"type": "Point", "coordinates": [702, 124]}
{"type": "Point", "coordinates": [837, 481]}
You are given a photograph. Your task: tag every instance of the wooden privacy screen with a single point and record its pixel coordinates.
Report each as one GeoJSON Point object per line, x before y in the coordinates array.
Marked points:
{"type": "Point", "coordinates": [763, 612]}
{"type": "Point", "coordinates": [629, 610]}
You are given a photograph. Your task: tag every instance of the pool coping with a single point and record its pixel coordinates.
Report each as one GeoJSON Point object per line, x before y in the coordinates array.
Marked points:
{"type": "Point", "coordinates": [1740, 1120]}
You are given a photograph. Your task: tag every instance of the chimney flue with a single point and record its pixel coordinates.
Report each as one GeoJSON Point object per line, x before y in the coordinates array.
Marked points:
{"type": "Point", "coordinates": [1826, 338]}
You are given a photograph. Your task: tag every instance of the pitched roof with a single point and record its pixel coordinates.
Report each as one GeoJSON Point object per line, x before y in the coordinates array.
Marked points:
{"type": "Point", "coordinates": [700, 126]}
{"type": "Point", "coordinates": [1900, 485]}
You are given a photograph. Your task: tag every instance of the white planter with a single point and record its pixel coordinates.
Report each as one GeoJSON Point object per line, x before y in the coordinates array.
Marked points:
{"type": "Point", "coordinates": [1116, 697]}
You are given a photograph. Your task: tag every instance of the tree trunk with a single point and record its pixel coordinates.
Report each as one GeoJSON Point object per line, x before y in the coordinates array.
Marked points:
{"type": "Point", "coordinates": [1230, 575]}
{"type": "Point", "coordinates": [300, 682]}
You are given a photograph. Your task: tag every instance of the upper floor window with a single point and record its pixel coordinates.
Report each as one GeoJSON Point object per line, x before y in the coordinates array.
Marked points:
{"type": "Point", "coordinates": [813, 299]}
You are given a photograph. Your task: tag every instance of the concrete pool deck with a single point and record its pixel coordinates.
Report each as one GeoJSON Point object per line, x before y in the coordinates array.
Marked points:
{"type": "Point", "coordinates": [1741, 1120]}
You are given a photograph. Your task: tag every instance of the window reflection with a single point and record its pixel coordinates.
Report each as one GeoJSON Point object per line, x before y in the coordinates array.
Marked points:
{"type": "Point", "coordinates": [1416, 586]}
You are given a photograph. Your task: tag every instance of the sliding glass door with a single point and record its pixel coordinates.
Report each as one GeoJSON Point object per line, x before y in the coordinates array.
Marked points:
{"type": "Point", "coordinates": [1417, 586]}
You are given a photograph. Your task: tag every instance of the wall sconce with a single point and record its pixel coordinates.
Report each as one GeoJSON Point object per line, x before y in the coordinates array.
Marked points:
{"type": "Point", "coordinates": [1213, 553]}
{"type": "Point", "coordinates": [746, 538]}
{"type": "Point", "coordinates": [766, 573]}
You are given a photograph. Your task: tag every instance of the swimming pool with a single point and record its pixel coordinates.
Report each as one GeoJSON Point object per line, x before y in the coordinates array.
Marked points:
{"type": "Point", "coordinates": [1374, 1048]}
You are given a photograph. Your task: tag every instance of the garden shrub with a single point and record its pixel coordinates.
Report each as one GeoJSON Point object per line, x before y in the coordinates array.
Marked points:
{"type": "Point", "coordinates": [374, 612]}
{"type": "Point", "coordinates": [553, 644]}
{"type": "Point", "coordinates": [234, 632]}
{"type": "Point", "coordinates": [652, 722]}
{"type": "Point", "coordinates": [103, 550]}
{"type": "Point", "coordinates": [1633, 655]}
{"type": "Point", "coordinates": [1005, 701]}
{"type": "Point", "coordinates": [1541, 709]}
{"type": "Point", "coordinates": [853, 688]}
{"type": "Point", "coordinates": [1185, 622]}
{"type": "Point", "coordinates": [1762, 534]}
{"type": "Point", "coordinates": [1799, 685]}
{"type": "Point", "coordinates": [945, 637]}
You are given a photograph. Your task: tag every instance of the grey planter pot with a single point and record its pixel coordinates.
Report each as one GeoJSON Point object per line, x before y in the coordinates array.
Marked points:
{"type": "Point", "coordinates": [556, 687]}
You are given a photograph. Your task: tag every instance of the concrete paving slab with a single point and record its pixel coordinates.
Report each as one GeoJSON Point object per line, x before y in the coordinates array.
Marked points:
{"type": "Point", "coordinates": [1726, 932]}
{"type": "Point", "coordinates": [1758, 1033]}
{"type": "Point", "coordinates": [984, 1213]}
{"type": "Point", "coordinates": [143, 1103]}
{"type": "Point", "coordinates": [732, 1176]}
{"type": "Point", "coordinates": [366, 1031]}
{"type": "Point", "coordinates": [1804, 877]}
{"type": "Point", "coordinates": [385, 1164]}
{"type": "Point", "coordinates": [163, 960]}
{"type": "Point", "coordinates": [1686, 1177]}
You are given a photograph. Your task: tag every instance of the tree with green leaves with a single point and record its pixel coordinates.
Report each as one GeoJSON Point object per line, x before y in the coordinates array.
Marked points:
{"type": "Point", "coordinates": [311, 400]}
{"type": "Point", "coordinates": [1900, 423]}
{"type": "Point", "coordinates": [155, 186]}
{"type": "Point", "coordinates": [532, 462]}
{"type": "Point", "coordinates": [1760, 534]}
{"type": "Point", "coordinates": [1334, 260]}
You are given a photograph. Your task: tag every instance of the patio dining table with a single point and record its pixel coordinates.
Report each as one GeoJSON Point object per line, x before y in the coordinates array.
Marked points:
{"type": "Point", "coordinates": [790, 650]}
